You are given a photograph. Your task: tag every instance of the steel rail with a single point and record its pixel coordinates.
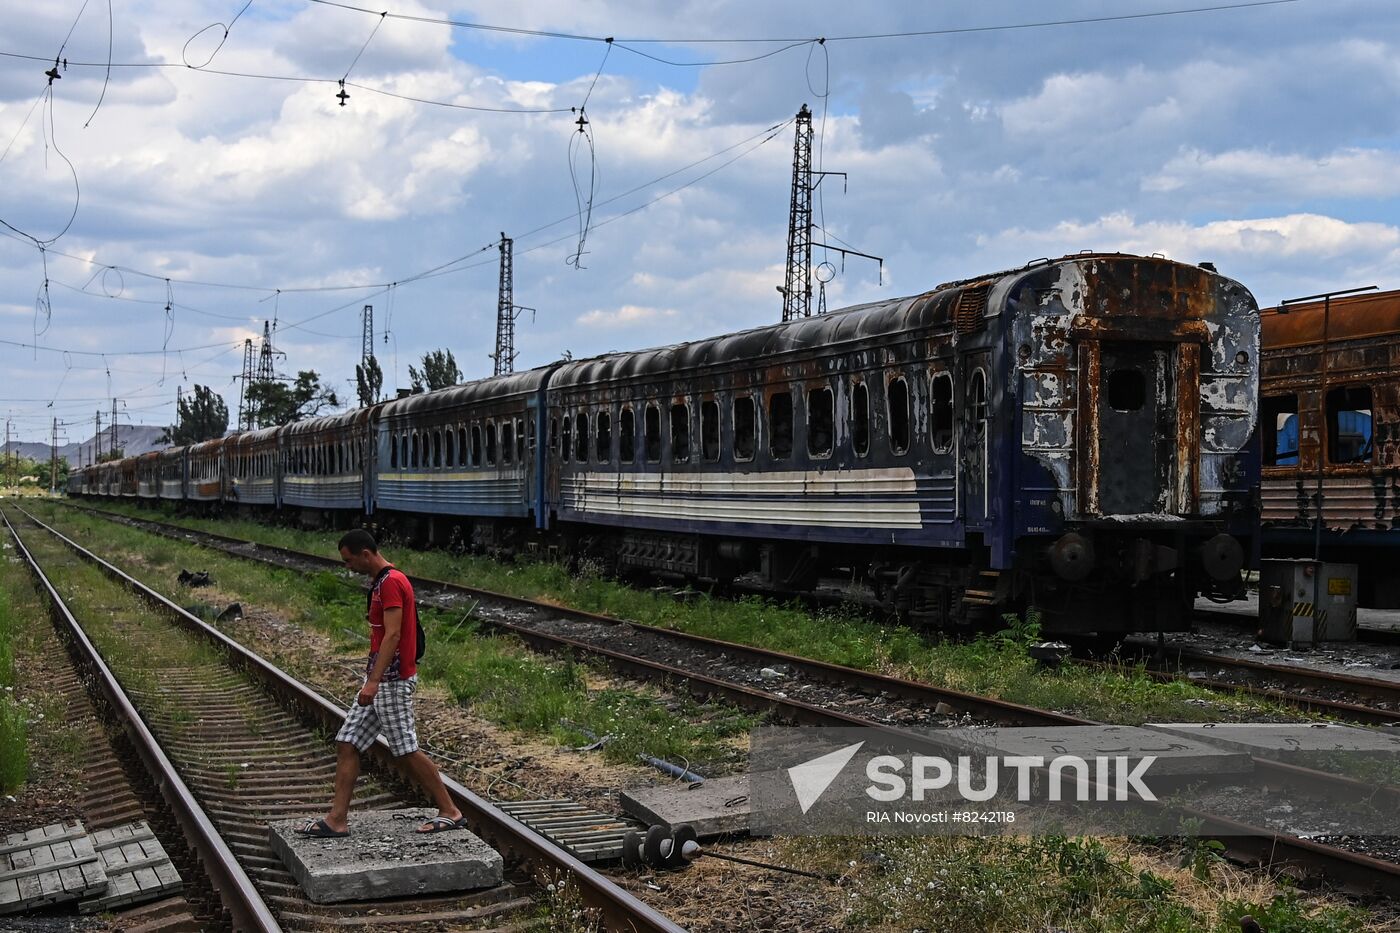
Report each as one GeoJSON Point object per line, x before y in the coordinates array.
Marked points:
{"type": "Point", "coordinates": [240, 899]}
{"type": "Point", "coordinates": [618, 908]}
{"type": "Point", "coordinates": [1360, 872]}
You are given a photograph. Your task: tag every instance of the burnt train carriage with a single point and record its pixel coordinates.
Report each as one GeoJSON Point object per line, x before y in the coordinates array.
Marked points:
{"type": "Point", "coordinates": [128, 478]}
{"type": "Point", "coordinates": [1330, 426]}
{"type": "Point", "coordinates": [1075, 435]}
{"type": "Point", "coordinates": [148, 475]}
{"type": "Point", "coordinates": [205, 471]}
{"type": "Point", "coordinates": [172, 474]}
{"type": "Point", "coordinates": [463, 458]}
{"type": "Point", "coordinates": [254, 466]}
{"type": "Point", "coordinates": [324, 466]}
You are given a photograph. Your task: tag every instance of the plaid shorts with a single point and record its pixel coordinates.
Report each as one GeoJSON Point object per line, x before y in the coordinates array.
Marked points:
{"type": "Point", "coordinates": [391, 713]}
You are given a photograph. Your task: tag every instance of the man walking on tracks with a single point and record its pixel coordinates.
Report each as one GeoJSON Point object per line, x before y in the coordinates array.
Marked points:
{"type": "Point", "coordinates": [385, 702]}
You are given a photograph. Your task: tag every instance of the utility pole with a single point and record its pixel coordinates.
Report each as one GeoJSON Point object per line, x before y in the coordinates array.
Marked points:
{"type": "Point", "coordinates": [112, 447]}
{"type": "Point", "coordinates": [367, 343]}
{"type": "Point", "coordinates": [506, 311]}
{"type": "Point", "coordinates": [97, 437]}
{"type": "Point", "coordinates": [7, 452]}
{"type": "Point", "coordinates": [797, 285]}
{"type": "Point", "coordinates": [245, 405]}
{"type": "Point", "coordinates": [53, 458]}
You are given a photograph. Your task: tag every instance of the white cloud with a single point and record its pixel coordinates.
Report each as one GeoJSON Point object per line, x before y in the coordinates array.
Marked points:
{"type": "Point", "coordinates": [1345, 173]}
{"type": "Point", "coordinates": [626, 316]}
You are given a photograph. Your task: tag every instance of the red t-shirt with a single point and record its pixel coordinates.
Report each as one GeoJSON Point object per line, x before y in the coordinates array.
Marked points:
{"type": "Point", "coordinates": [394, 592]}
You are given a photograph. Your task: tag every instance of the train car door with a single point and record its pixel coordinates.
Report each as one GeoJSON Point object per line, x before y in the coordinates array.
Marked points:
{"type": "Point", "coordinates": [1137, 428]}
{"type": "Point", "coordinates": [972, 441]}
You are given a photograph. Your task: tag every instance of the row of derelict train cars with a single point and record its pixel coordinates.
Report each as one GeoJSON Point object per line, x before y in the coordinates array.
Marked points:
{"type": "Point", "coordinates": [1096, 436]}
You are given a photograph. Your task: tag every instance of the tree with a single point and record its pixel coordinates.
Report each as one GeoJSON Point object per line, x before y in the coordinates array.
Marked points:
{"type": "Point", "coordinates": [41, 472]}
{"type": "Point", "coordinates": [369, 379]}
{"type": "Point", "coordinates": [203, 417]}
{"type": "Point", "coordinates": [282, 403]}
{"type": "Point", "coordinates": [439, 371]}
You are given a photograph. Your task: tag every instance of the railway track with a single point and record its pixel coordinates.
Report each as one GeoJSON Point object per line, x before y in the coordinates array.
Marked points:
{"type": "Point", "coordinates": [215, 736]}
{"type": "Point", "coordinates": [648, 652]}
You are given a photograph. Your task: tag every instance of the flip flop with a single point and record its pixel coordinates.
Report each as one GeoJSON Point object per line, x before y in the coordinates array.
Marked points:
{"type": "Point", "coordinates": [438, 824]}
{"type": "Point", "coordinates": [320, 829]}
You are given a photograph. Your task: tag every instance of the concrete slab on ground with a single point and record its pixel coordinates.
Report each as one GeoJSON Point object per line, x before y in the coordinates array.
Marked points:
{"type": "Point", "coordinates": [383, 857]}
{"type": "Point", "coordinates": [1380, 620]}
{"type": "Point", "coordinates": [1288, 740]}
{"type": "Point", "coordinates": [718, 807]}
{"type": "Point", "coordinates": [1177, 755]}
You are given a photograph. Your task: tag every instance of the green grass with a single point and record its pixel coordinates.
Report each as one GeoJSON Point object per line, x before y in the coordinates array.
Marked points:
{"type": "Point", "coordinates": [1001, 885]}
{"type": "Point", "coordinates": [991, 665]}
{"type": "Point", "coordinates": [14, 744]}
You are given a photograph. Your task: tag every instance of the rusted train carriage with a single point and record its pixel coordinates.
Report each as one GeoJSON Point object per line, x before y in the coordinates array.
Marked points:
{"type": "Point", "coordinates": [1330, 424]}
{"type": "Point", "coordinates": [172, 474]}
{"type": "Point", "coordinates": [205, 472]}
{"type": "Point", "coordinates": [254, 468]}
{"type": "Point", "coordinates": [148, 475]}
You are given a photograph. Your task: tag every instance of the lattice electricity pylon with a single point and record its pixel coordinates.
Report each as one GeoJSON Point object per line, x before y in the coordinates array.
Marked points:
{"type": "Point", "coordinates": [367, 347]}
{"type": "Point", "coordinates": [246, 415]}
{"type": "Point", "coordinates": [506, 312]}
{"type": "Point", "coordinates": [797, 285]}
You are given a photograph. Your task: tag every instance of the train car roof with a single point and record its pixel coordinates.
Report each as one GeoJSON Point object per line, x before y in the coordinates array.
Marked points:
{"type": "Point", "coordinates": [328, 422]}
{"type": "Point", "coordinates": [492, 387]}
{"type": "Point", "coordinates": [203, 446]}
{"type": "Point", "coordinates": [252, 437]}
{"type": "Point", "coordinates": [1351, 317]}
{"type": "Point", "coordinates": [874, 319]}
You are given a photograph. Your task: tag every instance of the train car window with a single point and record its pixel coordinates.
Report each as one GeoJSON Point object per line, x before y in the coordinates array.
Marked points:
{"type": "Point", "coordinates": [530, 432]}
{"type": "Point", "coordinates": [821, 421]}
{"type": "Point", "coordinates": [393, 451]}
{"type": "Point", "coordinates": [581, 437]}
{"type": "Point", "coordinates": [941, 412]}
{"type": "Point", "coordinates": [414, 450]}
{"type": "Point", "coordinates": [860, 419]}
{"type": "Point", "coordinates": [651, 433]}
{"type": "Point", "coordinates": [709, 431]}
{"type": "Point", "coordinates": [745, 427]}
{"type": "Point", "coordinates": [449, 452]}
{"type": "Point", "coordinates": [1127, 390]}
{"type": "Point", "coordinates": [519, 440]}
{"type": "Point", "coordinates": [680, 433]}
{"type": "Point", "coordinates": [403, 450]}
{"type": "Point", "coordinates": [627, 435]}
{"type": "Point", "coordinates": [1349, 425]}
{"type": "Point", "coordinates": [780, 425]}
{"type": "Point", "coordinates": [568, 451]}
{"type": "Point", "coordinates": [437, 448]}
{"type": "Point", "coordinates": [507, 442]}
{"type": "Point", "coordinates": [476, 445]}
{"type": "Point", "coordinates": [1278, 419]}
{"type": "Point", "coordinates": [554, 434]}
{"type": "Point", "coordinates": [462, 453]}
{"type": "Point", "coordinates": [603, 449]}
{"type": "Point", "coordinates": [899, 415]}
{"type": "Point", "coordinates": [490, 443]}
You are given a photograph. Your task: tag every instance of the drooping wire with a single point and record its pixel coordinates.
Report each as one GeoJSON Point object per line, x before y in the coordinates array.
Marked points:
{"type": "Point", "coordinates": [583, 137]}
{"type": "Point", "coordinates": [107, 75]}
{"type": "Point", "coordinates": [356, 60]}
{"type": "Point", "coordinates": [43, 305]}
{"type": "Point", "coordinates": [67, 368]}
{"type": "Point", "coordinates": [51, 140]}
{"type": "Point", "coordinates": [706, 64]}
{"type": "Point", "coordinates": [184, 52]}
{"type": "Point", "coordinates": [33, 107]}
{"type": "Point", "coordinates": [169, 329]}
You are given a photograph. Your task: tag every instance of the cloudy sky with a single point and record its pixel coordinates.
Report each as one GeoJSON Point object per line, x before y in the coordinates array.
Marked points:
{"type": "Point", "coordinates": [1263, 139]}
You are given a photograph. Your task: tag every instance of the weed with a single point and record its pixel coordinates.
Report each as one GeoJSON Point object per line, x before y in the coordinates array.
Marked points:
{"type": "Point", "coordinates": [14, 750]}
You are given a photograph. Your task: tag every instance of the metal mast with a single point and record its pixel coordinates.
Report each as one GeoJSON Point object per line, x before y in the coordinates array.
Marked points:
{"type": "Point", "coordinates": [797, 287]}
{"type": "Point", "coordinates": [53, 459]}
{"type": "Point", "coordinates": [505, 312]}
{"type": "Point", "coordinates": [245, 405]}
{"type": "Point", "coordinates": [367, 345]}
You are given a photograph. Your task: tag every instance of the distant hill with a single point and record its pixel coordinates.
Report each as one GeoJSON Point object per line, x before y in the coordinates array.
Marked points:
{"type": "Point", "coordinates": [134, 439]}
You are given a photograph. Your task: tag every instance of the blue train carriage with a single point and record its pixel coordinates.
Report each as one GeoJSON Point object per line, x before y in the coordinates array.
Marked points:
{"type": "Point", "coordinates": [941, 447]}
{"type": "Point", "coordinates": [205, 477]}
{"type": "Point", "coordinates": [77, 482]}
{"type": "Point", "coordinates": [254, 464]}
{"type": "Point", "coordinates": [788, 450]}
{"type": "Point", "coordinates": [1130, 457]}
{"type": "Point", "coordinates": [462, 462]}
{"type": "Point", "coordinates": [172, 474]}
{"type": "Point", "coordinates": [325, 463]}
